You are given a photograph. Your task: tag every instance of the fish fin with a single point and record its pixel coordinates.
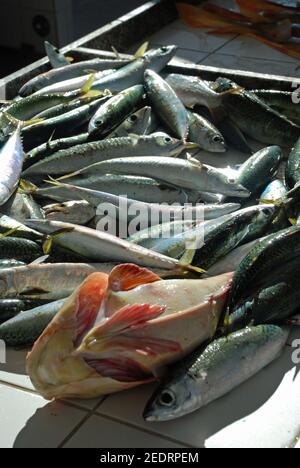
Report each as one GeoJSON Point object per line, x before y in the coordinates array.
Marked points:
{"type": "Point", "coordinates": [194, 161]}
{"type": "Point", "coordinates": [122, 369]}
{"type": "Point", "coordinates": [47, 245]}
{"type": "Point", "coordinates": [142, 50]}
{"type": "Point", "coordinates": [69, 59]}
{"type": "Point", "coordinates": [40, 260]}
{"type": "Point", "coordinates": [88, 84]}
{"type": "Point", "coordinates": [90, 297]}
{"type": "Point", "coordinates": [28, 123]}
{"type": "Point", "coordinates": [129, 316]}
{"type": "Point", "coordinates": [129, 276]}
{"type": "Point", "coordinates": [27, 187]}
{"type": "Point", "coordinates": [188, 257]}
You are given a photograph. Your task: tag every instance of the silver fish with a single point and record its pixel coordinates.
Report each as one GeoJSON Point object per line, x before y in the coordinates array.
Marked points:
{"type": "Point", "coordinates": [204, 133]}
{"type": "Point", "coordinates": [208, 375]}
{"type": "Point", "coordinates": [167, 105]}
{"type": "Point", "coordinates": [186, 174]}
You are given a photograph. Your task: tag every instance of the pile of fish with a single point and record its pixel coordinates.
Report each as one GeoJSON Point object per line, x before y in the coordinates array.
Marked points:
{"type": "Point", "coordinates": [107, 312]}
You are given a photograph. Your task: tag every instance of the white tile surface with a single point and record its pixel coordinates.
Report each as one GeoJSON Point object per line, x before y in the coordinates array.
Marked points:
{"type": "Point", "coordinates": [189, 38]}
{"type": "Point", "coordinates": [244, 46]}
{"type": "Point", "coordinates": [233, 420]}
{"type": "Point", "coordinates": [257, 65]}
{"type": "Point", "coordinates": [27, 420]}
{"type": "Point", "coordinates": [99, 432]}
{"type": "Point", "coordinates": [14, 372]}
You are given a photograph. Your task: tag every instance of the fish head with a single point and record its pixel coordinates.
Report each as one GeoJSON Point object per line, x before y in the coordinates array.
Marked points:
{"type": "Point", "coordinates": [99, 125]}
{"type": "Point", "coordinates": [265, 214]}
{"type": "Point", "coordinates": [167, 145]}
{"type": "Point", "coordinates": [216, 142]}
{"type": "Point", "coordinates": [30, 87]}
{"type": "Point", "coordinates": [173, 400]}
{"type": "Point", "coordinates": [158, 58]}
{"type": "Point", "coordinates": [227, 184]}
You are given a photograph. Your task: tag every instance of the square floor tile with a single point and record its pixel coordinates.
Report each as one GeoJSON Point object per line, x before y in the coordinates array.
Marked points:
{"type": "Point", "coordinates": [99, 432]}
{"type": "Point", "coordinates": [235, 62]}
{"type": "Point", "coordinates": [232, 420]}
{"type": "Point", "coordinates": [27, 420]}
{"type": "Point", "coordinates": [189, 38]}
{"type": "Point", "coordinates": [244, 46]}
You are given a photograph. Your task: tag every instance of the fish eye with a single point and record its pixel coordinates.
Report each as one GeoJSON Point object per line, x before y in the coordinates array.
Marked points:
{"type": "Point", "coordinates": [99, 122]}
{"type": "Point", "coordinates": [217, 139]}
{"type": "Point", "coordinates": [164, 49]}
{"type": "Point", "coordinates": [167, 398]}
{"type": "Point", "coordinates": [168, 140]}
{"type": "Point", "coordinates": [133, 118]}
{"type": "Point", "coordinates": [231, 181]}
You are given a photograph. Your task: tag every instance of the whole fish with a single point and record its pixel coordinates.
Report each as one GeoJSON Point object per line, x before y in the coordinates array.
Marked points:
{"type": "Point", "coordinates": [243, 227]}
{"type": "Point", "coordinates": [26, 327]}
{"type": "Point", "coordinates": [208, 375]}
{"type": "Point", "coordinates": [81, 156]}
{"type": "Point", "coordinates": [11, 166]}
{"type": "Point", "coordinates": [137, 124]}
{"type": "Point", "coordinates": [185, 174]}
{"type": "Point", "coordinates": [75, 212]}
{"type": "Point", "coordinates": [56, 58]}
{"type": "Point", "coordinates": [70, 72]}
{"type": "Point", "coordinates": [292, 171]}
{"type": "Point", "coordinates": [133, 73]}
{"type": "Point", "coordinates": [164, 328]}
{"type": "Point", "coordinates": [166, 104]}
{"type": "Point", "coordinates": [102, 247]}
{"type": "Point", "coordinates": [150, 213]}
{"type": "Point", "coordinates": [63, 125]}
{"type": "Point", "coordinates": [268, 255]}
{"type": "Point", "coordinates": [260, 169]}
{"type": "Point", "coordinates": [46, 279]}
{"type": "Point", "coordinates": [28, 108]}
{"type": "Point", "coordinates": [138, 188]}
{"type": "Point", "coordinates": [204, 133]}
{"type": "Point", "coordinates": [115, 110]}
{"type": "Point", "coordinates": [256, 119]}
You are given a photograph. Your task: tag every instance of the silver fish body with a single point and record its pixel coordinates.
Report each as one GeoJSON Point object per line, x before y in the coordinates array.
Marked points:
{"type": "Point", "coordinates": [204, 133]}
{"type": "Point", "coordinates": [166, 104]}
{"type": "Point", "coordinates": [11, 166]}
{"type": "Point", "coordinates": [208, 375]}
{"type": "Point", "coordinates": [185, 174]}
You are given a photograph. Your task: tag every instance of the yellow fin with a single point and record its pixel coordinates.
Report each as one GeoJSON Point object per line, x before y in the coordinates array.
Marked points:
{"type": "Point", "coordinates": [69, 59]}
{"type": "Point", "coordinates": [142, 50]}
{"type": "Point", "coordinates": [27, 187]}
{"type": "Point", "coordinates": [47, 245]}
{"type": "Point", "coordinates": [88, 84]}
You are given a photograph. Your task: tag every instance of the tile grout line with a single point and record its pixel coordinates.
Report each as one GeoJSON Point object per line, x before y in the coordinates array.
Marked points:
{"type": "Point", "coordinates": [221, 47]}
{"type": "Point", "coordinates": [143, 429]}
{"type": "Point", "coordinates": [76, 429]}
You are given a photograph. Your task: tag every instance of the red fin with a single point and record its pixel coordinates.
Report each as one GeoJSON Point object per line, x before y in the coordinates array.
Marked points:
{"type": "Point", "coordinates": [129, 276]}
{"type": "Point", "coordinates": [120, 369]}
{"type": "Point", "coordinates": [130, 316]}
{"type": "Point", "coordinates": [90, 297]}
{"type": "Point", "coordinates": [143, 345]}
